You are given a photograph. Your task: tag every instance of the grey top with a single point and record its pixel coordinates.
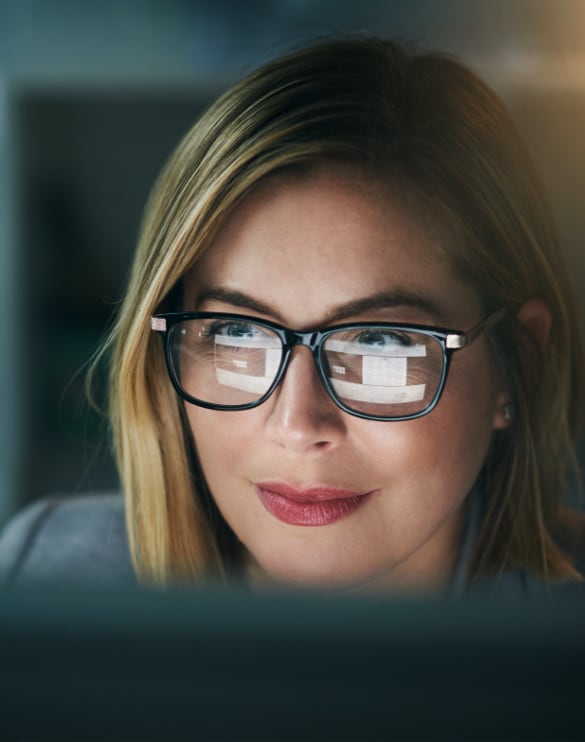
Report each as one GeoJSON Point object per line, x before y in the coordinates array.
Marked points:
{"type": "Point", "coordinates": [67, 538]}
{"type": "Point", "coordinates": [83, 539]}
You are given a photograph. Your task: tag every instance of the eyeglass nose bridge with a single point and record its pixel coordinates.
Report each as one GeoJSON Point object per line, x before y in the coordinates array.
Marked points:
{"type": "Point", "coordinates": [310, 339]}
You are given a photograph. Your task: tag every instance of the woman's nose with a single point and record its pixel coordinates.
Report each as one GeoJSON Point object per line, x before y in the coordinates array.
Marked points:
{"type": "Point", "coordinates": [303, 416]}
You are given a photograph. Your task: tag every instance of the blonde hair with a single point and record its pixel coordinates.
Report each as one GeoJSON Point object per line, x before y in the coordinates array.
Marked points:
{"type": "Point", "coordinates": [425, 124]}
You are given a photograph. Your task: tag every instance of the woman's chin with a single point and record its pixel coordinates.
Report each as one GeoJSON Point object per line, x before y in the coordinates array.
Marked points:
{"type": "Point", "coordinates": [311, 577]}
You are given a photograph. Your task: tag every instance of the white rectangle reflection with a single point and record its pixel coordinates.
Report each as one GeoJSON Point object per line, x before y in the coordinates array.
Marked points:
{"type": "Point", "coordinates": [360, 349]}
{"type": "Point", "coordinates": [379, 371]}
{"type": "Point", "coordinates": [378, 394]}
{"type": "Point", "coordinates": [244, 382]}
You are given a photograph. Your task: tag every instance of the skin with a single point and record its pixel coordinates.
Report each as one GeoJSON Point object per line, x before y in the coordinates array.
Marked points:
{"type": "Point", "coordinates": [300, 252]}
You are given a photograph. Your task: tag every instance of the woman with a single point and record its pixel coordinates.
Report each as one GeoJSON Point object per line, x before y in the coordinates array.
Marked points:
{"type": "Point", "coordinates": [376, 206]}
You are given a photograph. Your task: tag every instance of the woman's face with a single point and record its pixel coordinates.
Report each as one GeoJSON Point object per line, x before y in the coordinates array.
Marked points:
{"type": "Point", "coordinates": [308, 253]}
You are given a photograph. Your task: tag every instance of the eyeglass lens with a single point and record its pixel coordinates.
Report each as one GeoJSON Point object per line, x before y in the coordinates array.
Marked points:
{"type": "Point", "coordinates": [375, 371]}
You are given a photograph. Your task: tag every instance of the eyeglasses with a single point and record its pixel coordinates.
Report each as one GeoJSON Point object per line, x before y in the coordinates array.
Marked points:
{"type": "Point", "coordinates": [373, 370]}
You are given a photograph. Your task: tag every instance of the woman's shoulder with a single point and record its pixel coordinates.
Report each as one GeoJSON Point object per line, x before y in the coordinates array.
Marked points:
{"type": "Point", "coordinates": [71, 538]}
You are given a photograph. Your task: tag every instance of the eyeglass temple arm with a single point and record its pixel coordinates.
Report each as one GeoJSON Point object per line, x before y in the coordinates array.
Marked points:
{"type": "Point", "coordinates": [158, 324]}
{"type": "Point", "coordinates": [458, 341]}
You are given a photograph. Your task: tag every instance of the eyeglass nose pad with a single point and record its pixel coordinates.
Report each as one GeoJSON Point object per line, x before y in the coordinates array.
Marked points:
{"type": "Point", "coordinates": [304, 406]}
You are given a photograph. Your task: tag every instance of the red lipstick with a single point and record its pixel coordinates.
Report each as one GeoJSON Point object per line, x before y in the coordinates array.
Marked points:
{"type": "Point", "coordinates": [309, 506]}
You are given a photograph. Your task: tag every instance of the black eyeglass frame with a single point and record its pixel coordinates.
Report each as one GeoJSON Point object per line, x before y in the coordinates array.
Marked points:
{"type": "Point", "coordinates": [450, 341]}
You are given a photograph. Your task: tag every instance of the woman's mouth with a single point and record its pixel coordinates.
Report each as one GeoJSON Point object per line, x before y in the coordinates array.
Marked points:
{"type": "Point", "coordinates": [313, 506]}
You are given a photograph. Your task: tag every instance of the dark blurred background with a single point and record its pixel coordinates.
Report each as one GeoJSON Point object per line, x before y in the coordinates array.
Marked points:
{"type": "Point", "coordinates": [93, 97]}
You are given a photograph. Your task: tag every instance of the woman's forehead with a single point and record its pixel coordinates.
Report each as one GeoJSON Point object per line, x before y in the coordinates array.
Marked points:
{"type": "Point", "coordinates": [322, 241]}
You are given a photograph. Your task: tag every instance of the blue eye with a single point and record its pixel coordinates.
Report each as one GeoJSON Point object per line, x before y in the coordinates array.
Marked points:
{"type": "Point", "coordinates": [380, 337]}
{"type": "Point", "coordinates": [232, 329]}
{"type": "Point", "coordinates": [238, 335]}
{"type": "Point", "coordinates": [240, 330]}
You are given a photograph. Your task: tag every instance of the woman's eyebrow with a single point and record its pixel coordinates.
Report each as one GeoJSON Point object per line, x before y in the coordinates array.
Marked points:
{"type": "Point", "coordinates": [236, 299]}
{"type": "Point", "coordinates": [384, 300]}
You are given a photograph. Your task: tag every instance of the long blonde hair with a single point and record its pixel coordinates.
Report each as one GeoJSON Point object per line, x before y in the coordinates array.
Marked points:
{"type": "Point", "coordinates": [427, 125]}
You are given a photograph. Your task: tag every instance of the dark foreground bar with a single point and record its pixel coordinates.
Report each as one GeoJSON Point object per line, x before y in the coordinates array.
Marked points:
{"type": "Point", "coordinates": [228, 665]}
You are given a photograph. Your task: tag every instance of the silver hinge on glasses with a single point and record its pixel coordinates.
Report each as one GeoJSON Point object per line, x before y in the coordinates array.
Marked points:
{"type": "Point", "coordinates": [456, 341]}
{"type": "Point", "coordinates": [159, 324]}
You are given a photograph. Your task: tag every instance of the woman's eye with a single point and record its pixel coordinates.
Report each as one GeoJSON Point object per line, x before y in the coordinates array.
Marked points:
{"type": "Point", "coordinates": [380, 337]}
{"type": "Point", "coordinates": [239, 330]}
{"type": "Point", "coordinates": [233, 330]}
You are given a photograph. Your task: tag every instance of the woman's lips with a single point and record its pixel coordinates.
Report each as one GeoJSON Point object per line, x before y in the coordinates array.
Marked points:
{"type": "Point", "coordinates": [312, 506]}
